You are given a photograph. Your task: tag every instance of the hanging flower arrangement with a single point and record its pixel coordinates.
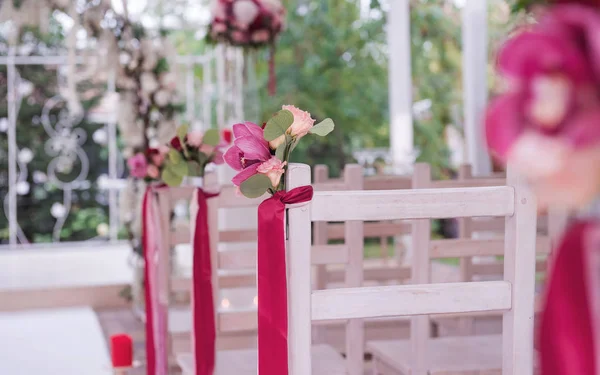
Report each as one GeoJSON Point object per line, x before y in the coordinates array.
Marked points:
{"type": "Point", "coordinates": [248, 24]}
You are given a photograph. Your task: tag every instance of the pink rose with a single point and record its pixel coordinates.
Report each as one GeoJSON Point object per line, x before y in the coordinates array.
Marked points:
{"type": "Point", "coordinates": [302, 122]}
{"type": "Point", "coordinates": [137, 165]}
{"type": "Point", "coordinates": [152, 171]}
{"type": "Point", "coordinates": [272, 168]}
{"type": "Point", "coordinates": [260, 36]}
{"type": "Point", "coordinates": [194, 138]}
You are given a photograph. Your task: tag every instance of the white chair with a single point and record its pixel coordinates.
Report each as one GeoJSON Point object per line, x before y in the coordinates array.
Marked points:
{"type": "Point", "coordinates": [327, 359]}
{"type": "Point", "coordinates": [514, 295]}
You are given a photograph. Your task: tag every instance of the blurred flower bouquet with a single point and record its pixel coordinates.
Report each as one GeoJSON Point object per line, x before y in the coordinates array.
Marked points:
{"type": "Point", "coordinates": [191, 152]}
{"type": "Point", "coordinates": [547, 123]}
{"type": "Point", "coordinates": [246, 23]}
{"type": "Point", "coordinates": [147, 85]}
{"type": "Point", "coordinates": [547, 126]}
{"type": "Point", "coordinates": [261, 154]}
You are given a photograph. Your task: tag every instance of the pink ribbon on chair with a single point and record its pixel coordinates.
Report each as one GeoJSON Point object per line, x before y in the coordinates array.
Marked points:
{"type": "Point", "coordinates": [569, 329]}
{"type": "Point", "coordinates": [204, 331]}
{"type": "Point", "coordinates": [156, 309]}
{"type": "Point", "coordinates": [272, 281]}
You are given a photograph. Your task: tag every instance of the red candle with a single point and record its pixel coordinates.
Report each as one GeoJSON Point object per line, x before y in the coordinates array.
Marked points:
{"type": "Point", "coordinates": [121, 347]}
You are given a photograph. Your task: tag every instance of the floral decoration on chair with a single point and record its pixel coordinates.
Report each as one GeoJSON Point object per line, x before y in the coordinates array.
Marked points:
{"type": "Point", "coordinates": [261, 154]}
{"type": "Point", "coordinates": [190, 153]}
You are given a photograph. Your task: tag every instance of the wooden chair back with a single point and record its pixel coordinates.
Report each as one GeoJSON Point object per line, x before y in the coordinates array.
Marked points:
{"type": "Point", "coordinates": [513, 296]}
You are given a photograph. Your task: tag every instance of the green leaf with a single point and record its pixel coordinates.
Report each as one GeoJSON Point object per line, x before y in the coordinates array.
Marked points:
{"type": "Point", "coordinates": [194, 169]}
{"type": "Point", "coordinates": [278, 124]}
{"type": "Point", "coordinates": [255, 186]}
{"type": "Point", "coordinates": [171, 178]}
{"type": "Point", "coordinates": [182, 132]}
{"type": "Point", "coordinates": [211, 137]}
{"type": "Point", "coordinates": [323, 128]}
{"type": "Point", "coordinates": [175, 157]}
{"type": "Point", "coordinates": [280, 152]}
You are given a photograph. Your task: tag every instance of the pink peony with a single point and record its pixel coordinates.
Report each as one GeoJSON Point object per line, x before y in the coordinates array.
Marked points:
{"type": "Point", "coordinates": [152, 171]}
{"type": "Point", "coordinates": [554, 72]}
{"type": "Point", "coordinates": [249, 150]}
{"type": "Point", "coordinates": [272, 168]}
{"type": "Point", "coordinates": [302, 121]}
{"type": "Point", "coordinates": [137, 165]}
{"type": "Point", "coordinates": [194, 138]}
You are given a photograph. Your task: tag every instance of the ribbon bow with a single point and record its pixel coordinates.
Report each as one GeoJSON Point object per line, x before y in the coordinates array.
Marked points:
{"type": "Point", "coordinates": [272, 281]}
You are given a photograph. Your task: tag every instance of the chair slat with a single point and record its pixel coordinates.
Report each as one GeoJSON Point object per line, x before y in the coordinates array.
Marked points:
{"type": "Point", "coordinates": [420, 204]}
{"type": "Point", "coordinates": [230, 198]}
{"type": "Point", "coordinates": [405, 300]}
{"type": "Point", "coordinates": [329, 254]}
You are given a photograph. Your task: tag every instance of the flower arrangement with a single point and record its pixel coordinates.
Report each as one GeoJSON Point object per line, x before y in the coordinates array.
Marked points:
{"type": "Point", "coordinates": [148, 165]}
{"type": "Point", "coordinates": [149, 101]}
{"type": "Point", "coordinates": [191, 151]}
{"type": "Point", "coordinates": [547, 121]}
{"type": "Point", "coordinates": [246, 23]}
{"type": "Point", "coordinates": [261, 154]}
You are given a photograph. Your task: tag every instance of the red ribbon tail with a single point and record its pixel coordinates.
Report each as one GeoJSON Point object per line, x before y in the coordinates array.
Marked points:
{"type": "Point", "coordinates": [150, 346]}
{"type": "Point", "coordinates": [566, 336]}
{"type": "Point", "coordinates": [272, 281]}
{"type": "Point", "coordinates": [203, 302]}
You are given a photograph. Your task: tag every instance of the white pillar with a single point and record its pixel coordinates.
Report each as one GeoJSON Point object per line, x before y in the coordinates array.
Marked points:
{"type": "Point", "coordinates": [475, 89]}
{"type": "Point", "coordinates": [400, 86]}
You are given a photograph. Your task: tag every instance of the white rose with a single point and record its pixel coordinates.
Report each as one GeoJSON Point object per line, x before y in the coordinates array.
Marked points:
{"type": "Point", "coordinates": [149, 83]}
{"type": "Point", "coordinates": [245, 12]}
{"type": "Point", "coordinates": [162, 98]}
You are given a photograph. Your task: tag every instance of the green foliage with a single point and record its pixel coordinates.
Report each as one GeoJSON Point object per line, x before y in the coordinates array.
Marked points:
{"type": "Point", "coordinates": [255, 186]}
{"type": "Point", "coordinates": [211, 137]}
{"type": "Point", "coordinates": [323, 128]}
{"type": "Point", "coordinates": [278, 125]}
{"type": "Point", "coordinates": [525, 5]}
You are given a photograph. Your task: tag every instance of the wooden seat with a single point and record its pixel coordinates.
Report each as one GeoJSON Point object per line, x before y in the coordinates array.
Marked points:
{"type": "Point", "coordinates": [327, 361]}
{"type": "Point", "coordinates": [478, 355]}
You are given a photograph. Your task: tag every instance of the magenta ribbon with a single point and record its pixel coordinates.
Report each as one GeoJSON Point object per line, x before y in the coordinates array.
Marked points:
{"type": "Point", "coordinates": [204, 330]}
{"type": "Point", "coordinates": [272, 281]}
{"type": "Point", "coordinates": [567, 338]}
{"type": "Point", "coordinates": [156, 310]}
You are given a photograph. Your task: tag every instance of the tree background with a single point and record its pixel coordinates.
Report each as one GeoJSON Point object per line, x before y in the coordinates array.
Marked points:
{"type": "Point", "coordinates": [331, 60]}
